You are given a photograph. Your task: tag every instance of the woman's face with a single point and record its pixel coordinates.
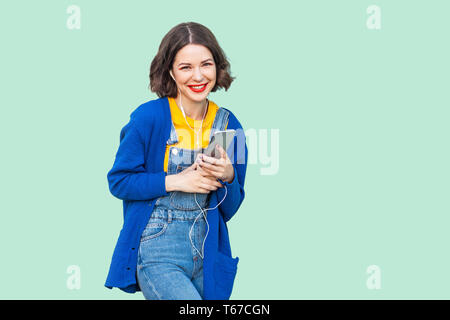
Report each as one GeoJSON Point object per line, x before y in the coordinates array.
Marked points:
{"type": "Point", "coordinates": [193, 66]}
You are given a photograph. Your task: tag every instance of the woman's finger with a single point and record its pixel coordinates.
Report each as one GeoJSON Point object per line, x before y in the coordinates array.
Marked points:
{"type": "Point", "coordinates": [223, 153]}
{"type": "Point", "coordinates": [212, 181]}
{"type": "Point", "coordinates": [205, 171]}
{"type": "Point", "coordinates": [202, 190]}
{"type": "Point", "coordinates": [211, 160]}
{"type": "Point", "coordinates": [207, 186]}
{"type": "Point", "coordinates": [191, 167]}
{"type": "Point", "coordinates": [212, 167]}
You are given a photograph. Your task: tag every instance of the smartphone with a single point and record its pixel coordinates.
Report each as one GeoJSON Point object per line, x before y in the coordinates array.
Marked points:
{"type": "Point", "coordinates": [222, 138]}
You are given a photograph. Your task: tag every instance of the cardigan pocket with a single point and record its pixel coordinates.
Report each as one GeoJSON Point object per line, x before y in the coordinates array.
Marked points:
{"type": "Point", "coordinates": [225, 268]}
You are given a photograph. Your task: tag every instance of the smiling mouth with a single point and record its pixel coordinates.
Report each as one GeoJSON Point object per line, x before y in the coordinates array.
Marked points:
{"type": "Point", "coordinates": [198, 88]}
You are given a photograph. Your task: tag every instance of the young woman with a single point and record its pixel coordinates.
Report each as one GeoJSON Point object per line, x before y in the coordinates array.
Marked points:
{"type": "Point", "coordinates": [174, 242]}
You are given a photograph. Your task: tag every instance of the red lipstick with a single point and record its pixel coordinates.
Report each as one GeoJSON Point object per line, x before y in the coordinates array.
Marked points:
{"type": "Point", "coordinates": [198, 90]}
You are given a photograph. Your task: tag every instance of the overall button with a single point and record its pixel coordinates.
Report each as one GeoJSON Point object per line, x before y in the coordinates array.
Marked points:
{"type": "Point", "coordinates": [174, 151]}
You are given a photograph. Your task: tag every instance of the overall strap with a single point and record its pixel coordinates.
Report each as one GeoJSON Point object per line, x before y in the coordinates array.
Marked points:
{"type": "Point", "coordinates": [173, 134]}
{"type": "Point", "coordinates": [220, 121]}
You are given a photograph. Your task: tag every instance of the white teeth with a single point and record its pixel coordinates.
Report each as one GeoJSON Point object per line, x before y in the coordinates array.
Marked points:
{"type": "Point", "coordinates": [198, 87]}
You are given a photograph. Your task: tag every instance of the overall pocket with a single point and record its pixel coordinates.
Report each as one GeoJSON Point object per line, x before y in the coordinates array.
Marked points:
{"type": "Point", "coordinates": [225, 268]}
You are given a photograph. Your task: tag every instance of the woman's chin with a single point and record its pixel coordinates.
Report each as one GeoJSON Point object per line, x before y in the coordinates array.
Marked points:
{"type": "Point", "coordinates": [198, 97]}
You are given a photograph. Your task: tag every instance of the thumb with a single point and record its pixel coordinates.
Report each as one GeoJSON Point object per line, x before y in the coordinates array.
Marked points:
{"type": "Point", "coordinates": [193, 166]}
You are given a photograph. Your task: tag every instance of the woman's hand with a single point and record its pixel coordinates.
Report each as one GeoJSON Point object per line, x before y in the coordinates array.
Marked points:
{"type": "Point", "coordinates": [221, 168]}
{"type": "Point", "coordinates": [193, 179]}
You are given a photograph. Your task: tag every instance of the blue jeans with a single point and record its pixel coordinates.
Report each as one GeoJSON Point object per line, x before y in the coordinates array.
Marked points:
{"type": "Point", "coordinates": [169, 268]}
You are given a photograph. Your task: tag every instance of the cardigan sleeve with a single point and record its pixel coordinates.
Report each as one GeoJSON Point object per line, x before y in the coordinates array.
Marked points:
{"type": "Point", "coordinates": [235, 189]}
{"type": "Point", "coordinates": [128, 179]}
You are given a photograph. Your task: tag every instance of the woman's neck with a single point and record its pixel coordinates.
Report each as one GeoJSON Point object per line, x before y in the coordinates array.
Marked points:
{"type": "Point", "coordinates": [192, 109]}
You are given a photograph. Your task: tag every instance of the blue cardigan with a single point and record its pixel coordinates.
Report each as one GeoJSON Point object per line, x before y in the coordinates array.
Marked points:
{"type": "Point", "coordinates": [138, 178]}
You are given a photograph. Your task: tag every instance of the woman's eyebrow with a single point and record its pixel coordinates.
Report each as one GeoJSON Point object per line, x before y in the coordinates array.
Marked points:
{"type": "Point", "coordinates": [189, 63]}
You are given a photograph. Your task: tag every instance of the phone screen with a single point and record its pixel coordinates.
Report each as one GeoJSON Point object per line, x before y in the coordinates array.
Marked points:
{"type": "Point", "coordinates": [222, 138]}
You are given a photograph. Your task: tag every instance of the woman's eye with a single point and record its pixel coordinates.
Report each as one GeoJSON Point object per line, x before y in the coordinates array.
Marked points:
{"type": "Point", "coordinates": [206, 64]}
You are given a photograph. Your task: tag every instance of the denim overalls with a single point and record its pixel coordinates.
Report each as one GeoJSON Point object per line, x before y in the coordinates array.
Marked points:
{"type": "Point", "coordinates": [169, 265]}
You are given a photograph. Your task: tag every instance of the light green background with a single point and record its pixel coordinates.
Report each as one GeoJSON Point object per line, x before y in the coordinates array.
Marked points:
{"type": "Point", "coordinates": [363, 119]}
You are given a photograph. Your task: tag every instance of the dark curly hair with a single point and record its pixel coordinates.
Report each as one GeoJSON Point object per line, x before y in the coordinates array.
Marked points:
{"type": "Point", "coordinates": [179, 36]}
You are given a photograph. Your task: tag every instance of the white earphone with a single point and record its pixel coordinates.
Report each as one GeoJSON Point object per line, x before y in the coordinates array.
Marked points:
{"type": "Point", "coordinates": [203, 210]}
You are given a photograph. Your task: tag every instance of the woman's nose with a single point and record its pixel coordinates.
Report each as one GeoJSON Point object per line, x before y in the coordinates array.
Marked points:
{"type": "Point", "coordinates": [198, 76]}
